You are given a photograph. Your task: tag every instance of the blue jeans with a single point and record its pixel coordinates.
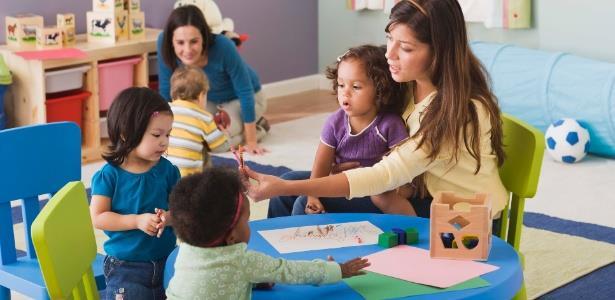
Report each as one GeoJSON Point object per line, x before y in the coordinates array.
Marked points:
{"type": "Point", "coordinates": [338, 205]}
{"type": "Point", "coordinates": [133, 279]}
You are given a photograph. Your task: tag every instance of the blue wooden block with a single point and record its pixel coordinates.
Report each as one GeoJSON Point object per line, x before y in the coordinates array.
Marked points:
{"type": "Point", "coordinates": [401, 235]}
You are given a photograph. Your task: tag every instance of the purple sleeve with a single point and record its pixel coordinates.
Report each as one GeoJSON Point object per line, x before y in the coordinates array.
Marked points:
{"type": "Point", "coordinates": [328, 133]}
{"type": "Point", "coordinates": [394, 129]}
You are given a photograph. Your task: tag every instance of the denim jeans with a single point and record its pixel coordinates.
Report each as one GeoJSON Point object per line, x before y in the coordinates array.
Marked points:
{"type": "Point", "coordinates": [127, 280]}
{"type": "Point", "coordinates": [338, 205]}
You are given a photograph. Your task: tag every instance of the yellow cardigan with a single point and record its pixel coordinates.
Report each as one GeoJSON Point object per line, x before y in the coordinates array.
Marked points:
{"type": "Point", "coordinates": [407, 161]}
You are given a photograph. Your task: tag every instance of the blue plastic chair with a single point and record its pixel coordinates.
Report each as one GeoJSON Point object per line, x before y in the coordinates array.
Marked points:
{"type": "Point", "coordinates": [35, 161]}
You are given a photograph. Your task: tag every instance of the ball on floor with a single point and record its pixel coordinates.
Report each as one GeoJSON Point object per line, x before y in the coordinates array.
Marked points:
{"type": "Point", "coordinates": [567, 140]}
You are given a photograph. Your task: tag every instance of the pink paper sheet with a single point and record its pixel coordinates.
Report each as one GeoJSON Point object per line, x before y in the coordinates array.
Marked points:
{"type": "Point", "coordinates": [52, 54]}
{"type": "Point", "coordinates": [414, 265]}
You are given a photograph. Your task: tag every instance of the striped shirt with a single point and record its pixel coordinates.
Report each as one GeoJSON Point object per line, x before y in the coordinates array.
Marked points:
{"type": "Point", "coordinates": [194, 134]}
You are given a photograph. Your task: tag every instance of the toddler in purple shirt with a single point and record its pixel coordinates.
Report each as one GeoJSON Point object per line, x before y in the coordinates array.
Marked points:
{"type": "Point", "coordinates": [365, 128]}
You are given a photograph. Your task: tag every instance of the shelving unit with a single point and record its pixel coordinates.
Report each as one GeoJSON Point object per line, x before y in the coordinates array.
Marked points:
{"type": "Point", "coordinates": [25, 99]}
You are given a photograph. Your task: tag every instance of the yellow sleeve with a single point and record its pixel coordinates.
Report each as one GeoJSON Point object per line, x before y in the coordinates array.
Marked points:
{"type": "Point", "coordinates": [399, 167]}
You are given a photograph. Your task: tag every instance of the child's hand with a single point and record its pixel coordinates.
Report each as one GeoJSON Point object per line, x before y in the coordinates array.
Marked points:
{"type": "Point", "coordinates": [352, 267]}
{"type": "Point", "coordinates": [164, 218]}
{"type": "Point", "coordinates": [314, 206]}
{"type": "Point", "coordinates": [148, 223]}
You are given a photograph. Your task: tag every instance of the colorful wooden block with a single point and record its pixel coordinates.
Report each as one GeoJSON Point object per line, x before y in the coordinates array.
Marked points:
{"type": "Point", "coordinates": [21, 30]}
{"type": "Point", "coordinates": [49, 37]}
{"type": "Point", "coordinates": [401, 235]}
{"type": "Point", "coordinates": [460, 226]}
{"type": "Point", "coordinates": [66, 22]}
{"type": "Point", "coordinates": [109, 6]}
{"type": "Point", "coordinates": [132, 6]}
{"type": "Point", "coordinates": [387, 240]}
{"type": "Point", "coordinates": [412, 236]}
{"type": "Point", "coordinates": [136, 26]}
{"type": "Point", "coordinates": [104, 27]}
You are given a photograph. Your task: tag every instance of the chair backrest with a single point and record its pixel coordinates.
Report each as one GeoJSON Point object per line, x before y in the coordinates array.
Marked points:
{"type": "Point", "coordinates": [524, 147]}
{"type": "Point", "coordinates": [34, 160]}
{"type": "Point", "coordinates": [64, 240]}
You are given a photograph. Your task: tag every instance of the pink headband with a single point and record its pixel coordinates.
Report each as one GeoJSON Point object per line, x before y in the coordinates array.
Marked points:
{"type": "Point", "coordinates": [218, 240]}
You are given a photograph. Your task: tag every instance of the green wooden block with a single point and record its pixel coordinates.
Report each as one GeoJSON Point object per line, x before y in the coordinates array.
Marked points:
{"type": "Point", "coordinates": [412, 236]}
{"type": "Point", "coordinates": [387, 240]}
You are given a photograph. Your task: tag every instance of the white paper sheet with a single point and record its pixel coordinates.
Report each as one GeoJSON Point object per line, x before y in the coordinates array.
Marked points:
{"type": "Point", "coordinates": [318, 237]}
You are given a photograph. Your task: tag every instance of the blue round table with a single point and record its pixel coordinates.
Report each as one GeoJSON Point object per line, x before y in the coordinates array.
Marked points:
{"type": "Point", "coordinates": [504, 282]}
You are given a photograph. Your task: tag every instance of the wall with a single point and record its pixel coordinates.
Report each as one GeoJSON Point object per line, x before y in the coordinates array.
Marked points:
{"type": "Point", "coordinates": [282, 45]}
{"type": "Point", "coordinates": [575, 26]}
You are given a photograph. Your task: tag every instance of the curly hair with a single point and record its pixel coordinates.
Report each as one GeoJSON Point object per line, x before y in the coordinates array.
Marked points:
{"type": "Point", "coordinates": [127, 120]}
{"type": "Point", "coordinates": [203, 205]}
{"type": "Point", "coordinates": [390, 95]}
{"type": "Point", "coordinates": [188, 82]}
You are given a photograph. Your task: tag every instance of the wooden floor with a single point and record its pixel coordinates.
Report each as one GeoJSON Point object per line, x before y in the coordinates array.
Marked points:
{"type": "Point", "coordinates": [295, 106]}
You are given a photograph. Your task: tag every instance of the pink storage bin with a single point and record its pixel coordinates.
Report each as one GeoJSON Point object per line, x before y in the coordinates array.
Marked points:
{"type": "Point", "coordinates": [113, 77]}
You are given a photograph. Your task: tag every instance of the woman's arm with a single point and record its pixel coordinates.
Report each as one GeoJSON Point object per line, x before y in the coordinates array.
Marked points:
{"type": "Point", "coordinates": [269, 186]}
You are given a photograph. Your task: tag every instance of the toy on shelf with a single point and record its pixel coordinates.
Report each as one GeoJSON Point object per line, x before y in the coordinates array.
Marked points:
{"type": "Point", "coordinates": [460, 227]}
{"type": "Point", "coordinates": [48, 37]}
{"type": "Point", "coordinates": [21, 30]}
{"type": "Point", "coordinates": [66, 22]}
{"type": "Point", "coordinates": [398, 236]}
{"type": "Point", "coordinates": [117, 20]}
{"type": "Point", "coordinates": [567, 140]}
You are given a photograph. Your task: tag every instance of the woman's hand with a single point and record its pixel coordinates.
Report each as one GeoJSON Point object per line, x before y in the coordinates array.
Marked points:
{"type": "Point", "coordinates": [341, 167]}
{"type": "Point", "coordinates": [314, 206]}
{"type": "Point", "coordinates": [251, 146]}
{"type": "Point", "coordinates": [254, 148]}
{"type": "Point", "coordinates": [267, 186]}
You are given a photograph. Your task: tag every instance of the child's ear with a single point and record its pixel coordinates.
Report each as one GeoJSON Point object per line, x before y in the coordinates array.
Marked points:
{"type": "Point", "coordinates": [231, 238]}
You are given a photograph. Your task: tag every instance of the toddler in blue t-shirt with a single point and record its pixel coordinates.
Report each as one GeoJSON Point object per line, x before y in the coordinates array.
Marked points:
{"type": "Point", "coordinates": [130, 195]}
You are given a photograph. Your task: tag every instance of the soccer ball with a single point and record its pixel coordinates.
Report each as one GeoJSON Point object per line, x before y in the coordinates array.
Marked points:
{"type": "Point", "coordinates": [567, 140]}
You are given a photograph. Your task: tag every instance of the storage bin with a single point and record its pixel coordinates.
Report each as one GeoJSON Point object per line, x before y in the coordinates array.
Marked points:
{"type": "Point", "coordinates": [65, 79]}
{"type": "Point", "coordinates": [152, 67]}
{"type": "Point", "coordinates": [67, 106]}
{"type": "Point", "coordinates": [113, 77]}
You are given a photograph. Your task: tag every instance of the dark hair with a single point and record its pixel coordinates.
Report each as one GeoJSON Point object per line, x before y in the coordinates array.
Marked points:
{"type": "Point", "coordinates": [458, 77]}
{"type": "Point", "coordinates": [202, 205]}
{"type": "Point", "coordinates": [127, 120]}
{"type": "Point", "coordinates": [187, 15]}
{"type": "Point", "coordinates": [188, 82]}
{"type": "Point", "coordinates": [390, 95]}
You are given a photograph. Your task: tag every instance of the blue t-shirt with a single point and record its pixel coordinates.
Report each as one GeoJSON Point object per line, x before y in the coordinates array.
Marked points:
{"type": "Point", "coordinates": [132, 193]}
{"type": "Point", "coordinates": [229, 76]}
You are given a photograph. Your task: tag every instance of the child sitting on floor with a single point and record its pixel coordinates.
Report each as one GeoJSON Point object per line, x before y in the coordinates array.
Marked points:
{"type": "Point", "coordinates": [365, 127]}
{"type": "Point", "coordinates": [210, 216]}
{"type": "Point", "coordinates": [194, 131]}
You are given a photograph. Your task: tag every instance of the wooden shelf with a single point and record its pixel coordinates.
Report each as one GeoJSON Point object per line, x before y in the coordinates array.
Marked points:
{"type": "Point", "coordinates": [25, 99]}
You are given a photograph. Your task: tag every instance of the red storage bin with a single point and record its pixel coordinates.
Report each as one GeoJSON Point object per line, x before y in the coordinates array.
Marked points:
{"type": "Point", "coordinates": [66, 106]}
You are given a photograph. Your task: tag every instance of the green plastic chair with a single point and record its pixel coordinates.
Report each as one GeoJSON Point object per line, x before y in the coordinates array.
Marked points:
{"type": "Point", "coordinates": [64, 240]}
{"type": "Point", "coordinates": [524, 146]}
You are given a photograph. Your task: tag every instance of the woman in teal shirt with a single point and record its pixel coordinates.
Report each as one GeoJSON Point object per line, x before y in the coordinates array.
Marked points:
{"type": "Point", "coordinates": [235, 87]}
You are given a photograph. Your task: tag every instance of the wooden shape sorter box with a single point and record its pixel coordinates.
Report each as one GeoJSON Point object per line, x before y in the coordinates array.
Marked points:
{"type": "Point", "coordinates": [25, 100]}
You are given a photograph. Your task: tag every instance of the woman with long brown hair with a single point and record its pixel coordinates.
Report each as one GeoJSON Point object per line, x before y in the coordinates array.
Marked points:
{"type": "Point", "coordinates": [453, 119]}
